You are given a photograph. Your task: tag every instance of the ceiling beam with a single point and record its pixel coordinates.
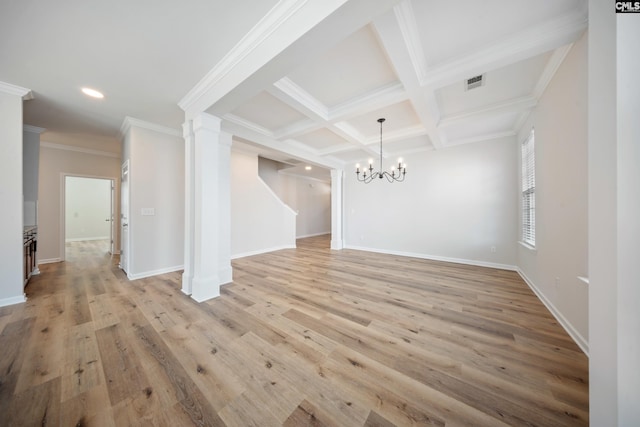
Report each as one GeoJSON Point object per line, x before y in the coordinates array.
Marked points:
{"type": "Point", "coordinates": [398, 35]}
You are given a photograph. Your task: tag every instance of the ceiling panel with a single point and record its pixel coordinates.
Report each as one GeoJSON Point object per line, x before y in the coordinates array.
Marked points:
{"type": "Point", "coordinates": [472, 129]}
{"type": "Point", "coordinates": [510, 82]}
{"type": "Point", "coordinates": [267, 111]}
{"type": "Point", "coordinates": [450, 30]}
{"type": "Point", "coordinates": [354, 67]}
{"type": "Point", "coordinates": [397, 116]}
{"type": "Point", "coordinates": [321, 139]}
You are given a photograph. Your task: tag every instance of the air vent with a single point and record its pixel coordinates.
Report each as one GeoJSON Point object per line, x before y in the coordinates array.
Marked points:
{"type": "Point", "coordinates": [474, 82]}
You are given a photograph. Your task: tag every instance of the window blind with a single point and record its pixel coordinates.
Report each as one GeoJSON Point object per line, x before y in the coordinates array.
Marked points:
{"type": "Point", "coordinates": [529, 190]}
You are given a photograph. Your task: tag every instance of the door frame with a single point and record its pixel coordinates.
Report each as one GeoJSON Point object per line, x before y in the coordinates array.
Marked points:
{"type": "Point", "coordinates": [125, 261]}
{"type": "Point", "coordinates": [115, 188]}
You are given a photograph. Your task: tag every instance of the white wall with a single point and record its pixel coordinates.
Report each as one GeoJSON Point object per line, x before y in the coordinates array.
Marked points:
{"type": "Point", "coordinates": [260, 221]}
{"type": "Point", "coordinates": [156, 182]}
{"type": "Point", "coordinates": [30, 162]}
{"type": "Point", "coordinates": [57, 161]}
{"type": "Point", "coordinates": [560, 258]}
{"type": "Point", "coordinates": [87, 206]}
{"type": "Point", "coordinates": [313, 204]}
{"type": "Point", "coordinates": [310, 198]}
{"type": "Point", "coordinates": [456, 204]}
{"type": "Point", "coordinates": [11, 275]}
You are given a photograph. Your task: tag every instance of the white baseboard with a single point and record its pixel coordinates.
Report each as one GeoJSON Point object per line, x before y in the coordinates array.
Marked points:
{"type": "Point", "coordinates": [13, 300]}
{"type": "Point", "coordinates": [436, 258]}
{"type": "Point", "coordinates": [573, 333]}
{"type": "Point", "coordinates": [324, 233]}
{"type": "Point", "coordinates": [262, 251]}
{"type": "Point", "coordinates": [154, 272]}
{"type": "Point", "coordinates": [85, 239]}
{"type": "Point", "coordinates": [49, 261]}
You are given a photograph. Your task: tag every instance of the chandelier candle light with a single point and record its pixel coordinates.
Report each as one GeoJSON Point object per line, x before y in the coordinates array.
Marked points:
{"type": "Point", "coordinates": [368, 174]}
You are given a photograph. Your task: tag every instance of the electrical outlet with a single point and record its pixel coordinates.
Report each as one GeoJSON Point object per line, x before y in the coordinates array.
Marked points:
{"type": "Point", "coordinates": [557, 282]}
{"type": "Point", "coordinates": [493, 249]}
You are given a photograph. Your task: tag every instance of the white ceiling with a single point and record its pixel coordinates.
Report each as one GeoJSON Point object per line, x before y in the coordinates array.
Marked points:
{"type": "Point", "coordinates": [316, 99]}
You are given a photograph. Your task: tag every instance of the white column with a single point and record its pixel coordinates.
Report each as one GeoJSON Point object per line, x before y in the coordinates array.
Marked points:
{"type": "Point", "coordinates": [11, 219]}
{"type": "Point", "coordinates": [225, 271]}
{"type": "Point", "coordinates": [206, 218]}
{"type": "Point", "coordinates": [628, 198]}
{"type": "Point", "coordinates": [337, 241]}
{"type": "Point", "coordinates": [189, 172]}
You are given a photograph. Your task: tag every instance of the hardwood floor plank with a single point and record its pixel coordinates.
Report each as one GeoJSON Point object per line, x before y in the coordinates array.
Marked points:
{"type": "Point", "coordinates": [83, 365]}
{"type": "Point", "coordinates": [305, 336]}
{"type": "Point", "coordinates": [189, 395]}
{"type": "Point", "coordinates": [88, 409]}
{"type": "Point", "coordinates": [122, 368]}
{"type": "Point", "coordinates": [37, 405]}
{"type": "Point", "coordinates": [13, 341]}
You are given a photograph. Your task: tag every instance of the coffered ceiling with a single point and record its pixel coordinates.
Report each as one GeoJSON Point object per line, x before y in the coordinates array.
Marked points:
{"type": "Point", "coordinates": [407, 61]}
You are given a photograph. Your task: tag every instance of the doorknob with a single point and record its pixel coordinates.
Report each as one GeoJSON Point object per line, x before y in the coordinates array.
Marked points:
{"type": "Point", "coordinates": [125, 224]}
{"type": "Point", "coordinates": [107, 220]}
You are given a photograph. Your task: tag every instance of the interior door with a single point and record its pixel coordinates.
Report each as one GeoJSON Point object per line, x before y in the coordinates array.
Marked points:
{"type": "Point", "coordinates": [124, 217]}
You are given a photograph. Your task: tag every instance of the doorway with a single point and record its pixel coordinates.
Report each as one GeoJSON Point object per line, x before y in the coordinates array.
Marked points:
{"type": "Point", "coordinates": [89, 213]}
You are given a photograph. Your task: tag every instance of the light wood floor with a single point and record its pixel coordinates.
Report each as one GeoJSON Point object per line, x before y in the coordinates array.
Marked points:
{"type": "Point", "coordinates": [305, 337]}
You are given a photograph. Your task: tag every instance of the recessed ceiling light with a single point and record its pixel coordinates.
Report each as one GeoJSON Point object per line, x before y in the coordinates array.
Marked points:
{"type": "Point", "coordinates": [92, 92]}
{"type": "Point", "coordinates": [308, 168]}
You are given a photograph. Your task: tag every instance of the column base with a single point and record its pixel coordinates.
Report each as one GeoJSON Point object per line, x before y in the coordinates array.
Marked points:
{"type": "Point", "coordinates": [204, 289]}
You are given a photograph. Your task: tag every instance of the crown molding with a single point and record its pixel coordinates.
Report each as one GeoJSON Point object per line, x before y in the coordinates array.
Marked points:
{"type": "Point", "coordinates": [533, 41]}
{"type": "Point", "coordinates": [20, 91]}
{"type": "Point", "coordinates": [33, 129]}
{"type": "Point", "coordinates": [409, 30]}
{"type": "Point", "coordinates": [480, 138]}
{"type": "Point", "coordinates": [370, 101]}
{"type": "Point", "coordinates": [302, 97]}
{"type": "Point", "coordinates": [79, 149]}
{"type": "Point", "coordinates": [557, 58]}
{"type": "Point", "coordinates": [130, 122]}
{"type": "Point", "coordinates": [248, 124]}
{"type": "Point", "coordinates": [515, 105]}
{"type": "Point", "coordinates": [300, 127]}
{"type": "Point", "coordinates": [262, 31]}
{"type": "Point", "coordinates": [398, 135]}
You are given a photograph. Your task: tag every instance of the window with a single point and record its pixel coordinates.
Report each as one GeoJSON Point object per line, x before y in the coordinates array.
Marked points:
{"type": "Point", "coordinates": [529, 191]}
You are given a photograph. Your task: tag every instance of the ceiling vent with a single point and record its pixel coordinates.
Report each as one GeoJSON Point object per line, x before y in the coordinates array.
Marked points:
{"type": "Point", "coordinates": [474, 82]}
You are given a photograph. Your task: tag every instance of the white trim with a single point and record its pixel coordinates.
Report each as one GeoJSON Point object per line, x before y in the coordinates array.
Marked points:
{"type": "Point", "coordinates": [86, 239]}
{"type": "Point", "coordinates": [62, 224]}
{"type": "Point", "coordinates": [262, 251]}
{"type": "Point", "coordinates": [79, 149]}
{"type": "Point", "coordinates": [302, 97]}
{"type": "Point", "coordinates": [49, 261]}
{"type": "Point", "coordinates": [573, 333]}
{"type": "Point", "coordinates": [10, 89]}
{"type": "Point", "coordinates": [436, 258]}
{"type": "Point", "coordinates": [324, 233]}
{"type": "Point", "coordinates": [32, 129]}
{"type": "Point", "coordinates": [154, 272]}
{"type": "Point", "coordinates": [276, 196]}
{"type": "Point", "coordinates": [549, 35]}
{"type": "Point", "coordinates": [13, 300]}
{"type": "Point", "coordinates": [406, 19]}
{"type": "Point", "coordinates": [131, 122]}
{"type": "Point", "coordinates": [557, 58]}
{"type": "Point", "coordinates": [527, 246]}
{"type": "Point", "coordinates": [262, 31]}
{"type": "Point", "coordinates": [480, 138]}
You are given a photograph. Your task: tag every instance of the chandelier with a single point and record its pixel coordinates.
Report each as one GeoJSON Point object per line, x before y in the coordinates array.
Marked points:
{"type": "Point", "coordinates": [369, 175]}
